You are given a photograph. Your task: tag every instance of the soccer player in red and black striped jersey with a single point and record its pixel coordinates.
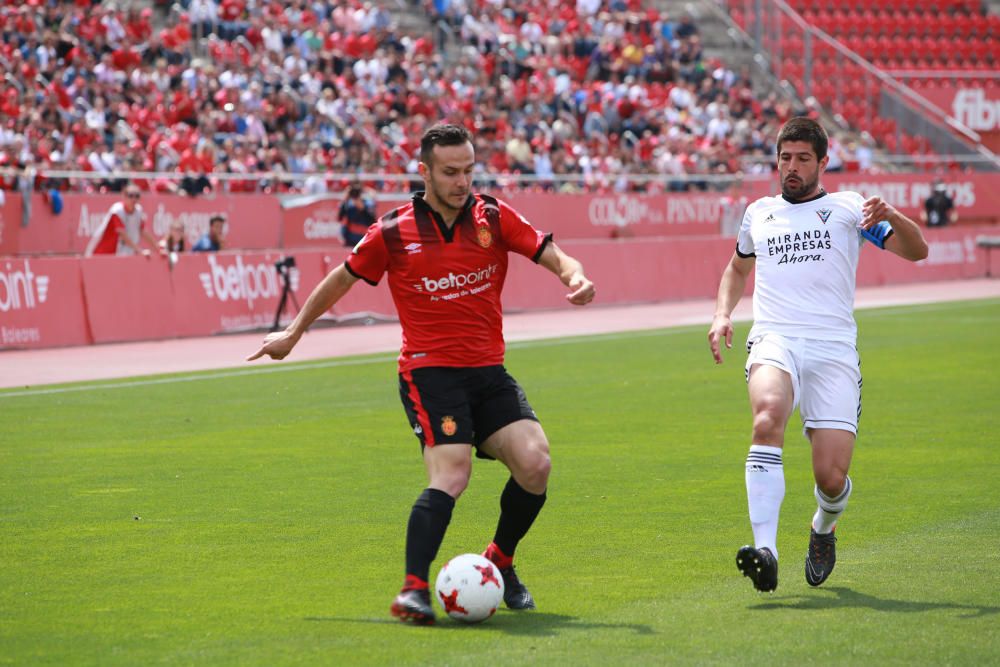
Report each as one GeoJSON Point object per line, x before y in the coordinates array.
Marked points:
{"type": "Point", "coordinates": [445, 254]}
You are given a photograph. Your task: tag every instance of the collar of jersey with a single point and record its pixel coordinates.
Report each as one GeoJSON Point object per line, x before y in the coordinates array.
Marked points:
{"type": "Point", "coordinates": [448, 234]}
{"type": "Point", "coordinates": [821, 194]}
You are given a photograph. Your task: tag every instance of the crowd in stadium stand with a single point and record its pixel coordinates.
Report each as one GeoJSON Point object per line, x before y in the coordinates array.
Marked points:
{"type": "Point", "coordinates": [599, 88]}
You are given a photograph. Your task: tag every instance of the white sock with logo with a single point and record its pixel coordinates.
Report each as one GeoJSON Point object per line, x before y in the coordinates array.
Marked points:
{"type": "Point", "coordinates": [830, 509]}
{"type": "Point", "coordinates": [765, 475]}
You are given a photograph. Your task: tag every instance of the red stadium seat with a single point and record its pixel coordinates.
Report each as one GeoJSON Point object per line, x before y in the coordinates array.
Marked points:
{"type": "Point", "coordinates": [923, 24]}
{"type": "Point", "coordinates": [870, 23]}
{"type": "Point", "coordinates": [823, 70]}
{"type": "Point", "coordinates": [980, 50]}
{"type": "Point", "coordinates": [930, 50]}
{"type": "Point", "coordinates": [963, 51]}
{"type": "Point", "coordinates": [824, 91]}
{"type": "Point", "coordinates": [853, 41]}
{"type": "Point", "coordinates": [854, 23]}
{"type": "Point", "coordinates": [793, 46]}
{"type": "Point", "coordinates": [963, 26]}
{"type": "Point", "coordinates": [869, 48]}
{"type": "Point", "coordinates": [978, 25]}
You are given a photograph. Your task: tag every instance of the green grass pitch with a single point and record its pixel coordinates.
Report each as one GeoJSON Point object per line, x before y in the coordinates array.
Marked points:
{"type": "Point", "coordinates": [258, 518]}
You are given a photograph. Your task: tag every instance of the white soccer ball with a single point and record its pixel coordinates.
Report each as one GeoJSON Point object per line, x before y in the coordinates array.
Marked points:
{"type": "Point", "coordinates": [469, 587]}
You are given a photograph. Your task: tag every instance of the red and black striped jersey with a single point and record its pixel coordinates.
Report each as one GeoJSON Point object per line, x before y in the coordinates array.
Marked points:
{"type": "Point", "coordinates": [446, 283]}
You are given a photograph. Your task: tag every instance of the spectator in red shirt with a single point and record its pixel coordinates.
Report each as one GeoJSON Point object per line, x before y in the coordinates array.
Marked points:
{"type": "Point", "coordinates": [446, 254]}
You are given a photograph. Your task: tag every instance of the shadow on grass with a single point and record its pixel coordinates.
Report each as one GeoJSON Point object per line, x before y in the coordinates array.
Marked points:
{"type": "Point", "coordinates": [537, 624]}
{"type": "Point", "coordinates": [846, 598]}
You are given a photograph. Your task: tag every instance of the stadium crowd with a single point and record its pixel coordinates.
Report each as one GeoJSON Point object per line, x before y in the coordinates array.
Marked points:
{"type": "Point", "coordinates": [599, 88]}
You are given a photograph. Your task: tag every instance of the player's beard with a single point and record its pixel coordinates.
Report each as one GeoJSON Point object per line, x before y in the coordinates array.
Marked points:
{"type": "Point", "coordinates": [803, 189]}
{"type": "Point", "coordinates": [447, 200]}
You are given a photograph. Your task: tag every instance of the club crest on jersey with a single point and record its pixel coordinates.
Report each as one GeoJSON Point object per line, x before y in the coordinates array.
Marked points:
{"type": "Point", "coordinates": [484, 237]}
{"type": "Point", "coordinates": [448, 425]}
{"type": "Point", "coordinates": [824, 214]}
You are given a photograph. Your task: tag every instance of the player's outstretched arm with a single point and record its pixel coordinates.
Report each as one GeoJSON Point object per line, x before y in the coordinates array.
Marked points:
{"type": "Point", "coordinates": [570, 272]}
{"type": "Point", "coordinates": [907, 240]}
{"type": "Point", "coordinates": [331, 289]}
{"type": "Point", "coordinates": [734, 280]}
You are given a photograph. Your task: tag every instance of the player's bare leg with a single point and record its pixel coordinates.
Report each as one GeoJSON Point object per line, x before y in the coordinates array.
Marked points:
{"type": "Point", "coordinates": [832, 450]}
{"type": "Point", "coordinates": [771, 402]}
{"type": "Point", "coordinates": [524, 449]}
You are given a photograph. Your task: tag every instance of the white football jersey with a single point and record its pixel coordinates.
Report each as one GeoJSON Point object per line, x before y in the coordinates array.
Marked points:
{"type": "Point", "coordinates": [807, 257]}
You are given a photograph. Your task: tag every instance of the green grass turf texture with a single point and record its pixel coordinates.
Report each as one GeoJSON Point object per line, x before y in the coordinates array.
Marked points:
{"type": "Point", "coordinates": [272, 509]}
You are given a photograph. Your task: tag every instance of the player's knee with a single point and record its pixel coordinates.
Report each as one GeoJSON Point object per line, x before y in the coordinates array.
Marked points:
{"type": "Point", "coordinates": [768, 426]}
{"type": "Point", "coordinates": [452, 484]}
{"type": "Point", "coordinates": [452, 479]}
{"type": "Point", "coordinates": [535, 468]}
{"type": "Point", "coordinates": [831, 482]}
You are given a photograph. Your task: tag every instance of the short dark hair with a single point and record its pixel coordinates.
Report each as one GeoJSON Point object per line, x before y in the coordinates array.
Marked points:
{"type": "Point", "coordinates": [217, 217]}
{"type": "Point", "coordinates": [442, 135]}
{"type": "Point", "coordinates": [808, 130]}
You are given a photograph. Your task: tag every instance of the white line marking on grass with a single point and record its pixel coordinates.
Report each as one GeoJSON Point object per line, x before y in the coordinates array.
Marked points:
{"type": "Point", "coordinates": [261, 370]}
{"type": "Point", "coordinates": [885, 310]}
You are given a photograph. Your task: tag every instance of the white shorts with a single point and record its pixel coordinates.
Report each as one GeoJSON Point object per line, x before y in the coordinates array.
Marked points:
{"type": "Point", "coordinates": [826, 377]}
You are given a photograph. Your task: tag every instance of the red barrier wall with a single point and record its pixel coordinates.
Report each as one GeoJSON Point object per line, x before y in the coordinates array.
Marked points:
{"type": "Point", "coordinates": [10, 223]}
{"type": "Point", "coordinates": [260, 222]}
{"type": "Point", "coordinates": [626, 271]}
{"type": "Point", "coordinates": [976, 196]}
{"type": "Point", "coordinates": [231, 291]}
{"type": "Point", "coordinates": [254, 220]}
{"type": "Point", "coordinates": [132, 298]}
{"type": "Point", "coordinates": [314, 224]}
{"type": "Point", "coordinates": [952, 254]}
{"type": "Point", "coordinates": [976, 107]}
{"type": "Point", "coordinates": [41, 303]}
{"type": "Point", "coordinates": [128, 298]}
{"type": "Point", "coordinates": [586, 216]}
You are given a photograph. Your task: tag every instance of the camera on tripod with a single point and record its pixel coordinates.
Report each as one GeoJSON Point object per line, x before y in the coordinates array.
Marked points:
{"type": "Point", "coordinates": [284, 264]}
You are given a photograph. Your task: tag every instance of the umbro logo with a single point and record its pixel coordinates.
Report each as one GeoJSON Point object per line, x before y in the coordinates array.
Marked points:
{"type": "Point", "coordinates": [770, 218]}
{"type": "Point", "coordinates": [413, 248]}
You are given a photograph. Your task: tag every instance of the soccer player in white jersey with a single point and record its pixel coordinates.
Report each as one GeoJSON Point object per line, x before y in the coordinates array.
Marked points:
{"type": "Point", "coordinates": [805, 245]}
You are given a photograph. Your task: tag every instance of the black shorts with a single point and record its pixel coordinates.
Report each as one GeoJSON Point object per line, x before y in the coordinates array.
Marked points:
{"type": "Point", "coordinates": [461, 405]}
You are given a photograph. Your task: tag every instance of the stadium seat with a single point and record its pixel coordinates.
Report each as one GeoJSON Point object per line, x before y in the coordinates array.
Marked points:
{"type": "Point", "coordinates": [963, 26]}
{"type": "Point", "coordinates": [793, 46]}
{"type": "Point", "coordinates": [978, 26]}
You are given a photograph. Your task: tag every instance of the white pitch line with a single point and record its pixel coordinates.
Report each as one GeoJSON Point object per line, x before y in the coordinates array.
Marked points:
{"type": "Point", "coordinates": [334, 363]}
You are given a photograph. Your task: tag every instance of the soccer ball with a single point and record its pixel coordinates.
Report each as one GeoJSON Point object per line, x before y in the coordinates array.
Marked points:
{"type": "Point", "coordinates": [469, 587]}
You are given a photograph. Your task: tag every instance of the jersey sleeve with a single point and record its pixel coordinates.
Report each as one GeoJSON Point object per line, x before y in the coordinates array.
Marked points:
{"type": "Point", "coordinates": [519, 235]}
{"type": "Point", "coordinates": [744, 240]}
{"type": "Point", "coordinates": [370, 257]}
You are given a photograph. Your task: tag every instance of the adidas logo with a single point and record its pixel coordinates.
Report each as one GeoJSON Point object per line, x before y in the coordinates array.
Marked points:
{"type": "Point", "coordinates": [770, 218]}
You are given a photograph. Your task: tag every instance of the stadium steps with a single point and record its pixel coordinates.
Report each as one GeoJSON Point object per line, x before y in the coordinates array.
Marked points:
{"type": "Point", "coordinates": [409, 16]}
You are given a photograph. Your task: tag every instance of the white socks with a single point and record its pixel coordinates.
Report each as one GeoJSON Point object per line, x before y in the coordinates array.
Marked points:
{"type": "Point", "coordinates": [765, 477]}
{"type": "Point", "coordinates": [829, 509]}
